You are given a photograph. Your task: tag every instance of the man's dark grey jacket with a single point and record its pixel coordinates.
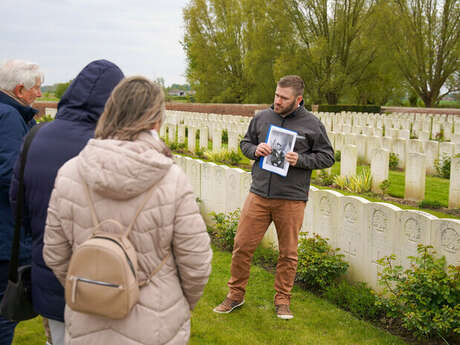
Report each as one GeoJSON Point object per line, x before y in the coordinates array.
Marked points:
{"type": "Point", "coordinates": [312, 145]}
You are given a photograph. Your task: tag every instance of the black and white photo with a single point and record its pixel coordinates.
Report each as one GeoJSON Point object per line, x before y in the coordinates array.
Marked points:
{"type": "Point", "coordinates": [282, 141]}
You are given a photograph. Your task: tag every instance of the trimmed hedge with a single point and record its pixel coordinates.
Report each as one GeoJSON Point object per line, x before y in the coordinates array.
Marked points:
{"type": "Point", "coordinates": [337, 108]}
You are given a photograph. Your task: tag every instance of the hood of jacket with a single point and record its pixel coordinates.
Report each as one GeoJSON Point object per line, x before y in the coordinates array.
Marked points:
{"type": "Point", "coordinates": [119, 169]}
{"type": "Point", "coordinates": [86, 96]}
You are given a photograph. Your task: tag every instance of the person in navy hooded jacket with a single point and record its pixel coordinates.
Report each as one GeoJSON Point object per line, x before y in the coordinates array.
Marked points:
{"type": "Point", "coordinates": [20, 83]}
{"type": "Point", "coordinates": [54, 144]}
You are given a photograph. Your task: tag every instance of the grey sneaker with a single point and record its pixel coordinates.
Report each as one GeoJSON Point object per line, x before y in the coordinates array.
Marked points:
{"type": "Point", "coordinates": [283, 312]}
{"type": "Point", "coordinates": [227, 306]}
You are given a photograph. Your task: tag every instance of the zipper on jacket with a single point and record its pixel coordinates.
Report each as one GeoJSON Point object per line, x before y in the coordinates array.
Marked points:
{"type": "Point", "coordinates": [271, 174]}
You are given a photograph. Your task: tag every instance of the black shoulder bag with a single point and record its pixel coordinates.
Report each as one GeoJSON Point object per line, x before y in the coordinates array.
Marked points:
{"type": "Point", "coordinates": [16, 304]}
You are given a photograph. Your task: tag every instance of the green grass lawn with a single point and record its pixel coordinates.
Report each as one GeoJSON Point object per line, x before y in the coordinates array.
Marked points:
{"type": "Point", "coordinates": [316, 321]}
{"type": "Point", "coordinates": [30, 333]}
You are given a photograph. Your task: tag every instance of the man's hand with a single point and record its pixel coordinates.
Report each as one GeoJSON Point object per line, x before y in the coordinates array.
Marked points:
{"type": "Point", "coordinates": [292, 158]}
{"type": "Point", "coordinates": [263, 149]}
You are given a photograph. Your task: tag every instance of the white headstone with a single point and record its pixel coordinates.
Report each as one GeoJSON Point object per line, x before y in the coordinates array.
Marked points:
{"type": "Point", "coordinates": [415, 229]}
{"type": "Point", "coordinates": [445, 238]}
{"type": "Point", "coordinates": [379, 168]}
{"type": "Point", "coordinates": [204, 137]}
{"type": "Point", "coordinates": [382, 235]}
{"type": "Point", "coordinates": [454, 183]}
{"type": "Point", "coordinates": [348, 161]}
{"type": "Point", "coordinates": [325, 217]}
{"type": "Point", "coordinates": [415, 175]}
{"type": "Point", "coordinates": [352, 234]}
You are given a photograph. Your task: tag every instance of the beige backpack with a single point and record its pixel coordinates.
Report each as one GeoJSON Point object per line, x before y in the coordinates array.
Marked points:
{"type": "Point", "coordinates": [101, 278]}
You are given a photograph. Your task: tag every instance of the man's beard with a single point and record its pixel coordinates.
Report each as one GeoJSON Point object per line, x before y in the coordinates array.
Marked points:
{"type": "Point", "coordinates": [285, 110]}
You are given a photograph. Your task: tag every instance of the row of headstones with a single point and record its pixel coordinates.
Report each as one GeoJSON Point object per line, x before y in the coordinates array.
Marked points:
{"type": "Point", "coordinates": [365, 231]}
{"type": "Point", "coordinates": [182, 133]}
{"type": "Point", "coordinates": [433, 150]}
{"type": "Point", "coordinates": [415, 173]}
{"type": "Point", "coordinates": [213, 129]}
{"type": "Point", "coordinates": [396, 125]}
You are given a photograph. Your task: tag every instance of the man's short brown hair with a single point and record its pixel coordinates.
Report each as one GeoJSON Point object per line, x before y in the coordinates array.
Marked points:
{"type": "Point", "coordinates": [294, 82]}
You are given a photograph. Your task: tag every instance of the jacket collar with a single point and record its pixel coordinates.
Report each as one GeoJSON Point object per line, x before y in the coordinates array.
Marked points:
{"type": "Point", "coordinates": [26, 112]}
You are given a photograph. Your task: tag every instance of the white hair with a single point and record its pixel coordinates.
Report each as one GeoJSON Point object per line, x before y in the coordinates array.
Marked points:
{"type": "Point", "coordinates": [19, 72]}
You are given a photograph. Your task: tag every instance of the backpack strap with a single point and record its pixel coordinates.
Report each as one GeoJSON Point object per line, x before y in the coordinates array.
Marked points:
{"type": "Point", "coordinates": [139, 210]}
{"type": "Point", "coordinates": [96, 222]}
{"type": "Point", "coordinates": [144, 282]}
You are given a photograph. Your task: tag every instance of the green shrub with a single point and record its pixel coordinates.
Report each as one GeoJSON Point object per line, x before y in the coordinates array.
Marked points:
{"type": "Point", "coordinates": [357, 298]}
{"type": "Point", "coordinates": [337, 155]}
{"type": "Point", "coordinates": [324, 179]}
{"type": "Point", "coordinates": [393, 161]}
{"type": "Point", "coordinates": [425, 297]}
{"type": "Point", "coordinates": [340, 181]}
{"type": "Point", "coordinates": [440, 135]}
{"type": "Point", "coordinates": [319, 265]}
{"type": "Point", "coordinates": [435, 204]}
{"type": "Point", "coordinates": [199, 152]}
{"type": "Point", "coordinates": [442, 167]}
{"type": "Point", "coordinates": [225, 136]}
{"type": "Point", "coordinates": [177, 147]}
{"type": "Point", "coordinates": [61, 88]}
{"type": "Point", "coordinates": [360, 183]}
{"type": "Point", "coordinates": [224, 231]}
{"type": "Point", "coordinates": [385, 186]}
{"type": "Point", "coordinates": [337, 108]}
{"type": "Point", "coordinates": [266, 257]}
{"type": "Point", "coordinates": [45, 118]}
{"type": "Point", "coordinates": [224, 156]}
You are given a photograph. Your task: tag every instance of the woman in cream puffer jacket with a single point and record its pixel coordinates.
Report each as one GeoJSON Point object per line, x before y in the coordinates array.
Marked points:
{"type": "Point", "coordinates": [119, 166]}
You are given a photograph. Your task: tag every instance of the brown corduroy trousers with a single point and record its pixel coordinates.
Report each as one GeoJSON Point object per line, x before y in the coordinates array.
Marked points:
{"type": "Point", "coordinates": [256, 216]}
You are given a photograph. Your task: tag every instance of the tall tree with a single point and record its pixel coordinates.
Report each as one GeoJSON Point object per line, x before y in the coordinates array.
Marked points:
{"type": "Point", "coordinates": [330, 53]}
{"type": "Point", "coordinates": [231, 47]}
{"type": "Point", "coordinates": [214, 46]}
{"type": "Point", "coordinates": [424, 36]}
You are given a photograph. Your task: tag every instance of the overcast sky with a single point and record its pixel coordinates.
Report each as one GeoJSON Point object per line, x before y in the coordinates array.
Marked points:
{"type": "Point", "coordinates": [62, 36]}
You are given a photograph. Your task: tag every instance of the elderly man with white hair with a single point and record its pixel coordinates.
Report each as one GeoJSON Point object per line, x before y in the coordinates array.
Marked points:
{"type": "Point", "coordinates": [20, 83]}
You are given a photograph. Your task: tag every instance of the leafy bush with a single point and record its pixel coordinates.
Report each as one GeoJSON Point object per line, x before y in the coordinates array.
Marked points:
{"type": "Point", "coordinates": [224, 231]}
{"type": "Point", "coordinates": [337, 108]}
{"type": "Point", "coordinates": [177, 147]}
{"type": "Point", "coordinates": [266, 257]}
{"type": "Point", "coordinates": [224, 156]}
{"type": "Point", "coordinates": [360, 183]}
{"type": "Point", "coordinates": [425, 298]}
{"type": "Point", "coordinates": [319, 265]}
{"type": "Point", "coordinates": [61, 88]}
{"type": "Point", "coordinates": [385, 186]}
{"type": "Point", "coordinates": [45, 118]}
{"type": "Point", "coordinates": [393, 161]}
{"type": "Point", "coordinates": [435, 204]}
{"type": "Point", "coordinates": [340, 181]}
{"type": "Point", "coordinates": [337, 156]}
{"type": "Point", "coordinates": [442, 167]}
{"type": "Point", "coordinates": [440, 135]}
{"type": "Point", "coordinates": [356, 298]}
{"type": "Point", "coordinates": [324, 179]}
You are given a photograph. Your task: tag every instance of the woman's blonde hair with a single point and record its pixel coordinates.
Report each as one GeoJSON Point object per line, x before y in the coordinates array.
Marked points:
{"type": "Point", "coordinates": [134, 106]}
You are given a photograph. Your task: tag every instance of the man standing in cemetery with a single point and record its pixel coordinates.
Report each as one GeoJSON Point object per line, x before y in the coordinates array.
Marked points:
{"type": "Point", "coordinates": [20, 83]}
{"type": "Point", "coordinates": [276, 198]}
